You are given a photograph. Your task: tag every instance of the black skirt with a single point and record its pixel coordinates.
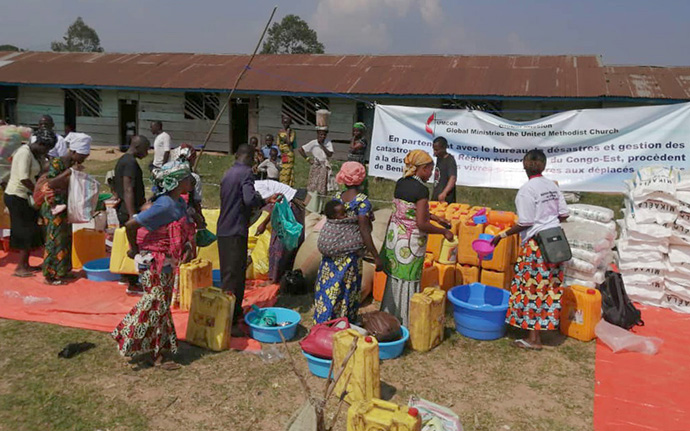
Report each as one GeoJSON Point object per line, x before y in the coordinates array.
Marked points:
{"type": "Point", "coordinates": [25, 234]}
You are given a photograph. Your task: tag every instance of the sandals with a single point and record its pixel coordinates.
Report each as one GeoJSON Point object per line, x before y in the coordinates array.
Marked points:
{"type": "Point", "coordinates": [23, 274]}
{"type": "Point", "coordinates": [524, 344]}
{"type": "Point", "coordinates": [55, 282]}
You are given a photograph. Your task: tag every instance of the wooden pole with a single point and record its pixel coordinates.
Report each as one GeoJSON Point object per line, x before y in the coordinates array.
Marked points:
{"type": "Point", "coordinates": [234, 87]}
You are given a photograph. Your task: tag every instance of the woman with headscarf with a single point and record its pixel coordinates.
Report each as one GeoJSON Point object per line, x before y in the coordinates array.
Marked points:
{"type": "Point", "coordinates": [57, 263]}
{"type": "Point", "coordinates": [358, 149]}
{"type": "Point", "coordinates": [25, 234]}
{"type": "Point", "coordinates": [339, 280]}
{"type": "Point", "coordinates": [405, 245]}
{"type": "Point", "coordinates": [161, 237]}
{"type": "Point", "coordinates": [287, 140]}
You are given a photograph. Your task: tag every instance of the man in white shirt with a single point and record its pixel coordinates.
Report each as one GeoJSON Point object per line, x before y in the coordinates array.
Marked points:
{"type": "Point", "coordinates": [161, 145]}
{"type": "Point", "coordinates": [60, 149]}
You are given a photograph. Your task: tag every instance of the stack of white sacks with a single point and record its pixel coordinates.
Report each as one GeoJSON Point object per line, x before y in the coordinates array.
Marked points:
{"type": "Point", "coordinates": [654, 245]}
{"type": "Point", "coordinates": [591, 233]}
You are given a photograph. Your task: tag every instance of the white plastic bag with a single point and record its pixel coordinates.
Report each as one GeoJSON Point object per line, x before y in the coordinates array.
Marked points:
{"type": "Point", "coordinates": [642, 276]}
{"type": "Point", "coordinates": [661, 211]}
{"type": "Point", "coordinates": [580, 265]}
{"type": "Point", "coordinates": [591, 212]}
{"type": "Point", "coordinates": [82, 198]}
{"type": "Point", "coordinates": [676, 303]}
{"type": "Point", "coordinates": [618, 339]}
{"type": "Point", "coordinates": [609, 226]}
{"type": "Point", "coordinates": [596, 277]}
{"type": "Point", "coordinates": [570, 281]}
{"type": "Point", "coordinates": [596, 259]}
{"type": "Point", "coordinates": [653, 179]}
{"type": "Point", "coordinates": [630, 244]}
{"type": "Point", "coordinates": [434, 415]}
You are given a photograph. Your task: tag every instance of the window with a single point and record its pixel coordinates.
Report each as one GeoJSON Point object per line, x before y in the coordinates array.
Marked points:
{"type": "Point", "coordinates": [86, 101]}
{"type": "Point", "coordinates": [201, 106]}
{"type": "Point", "coordinates": [303, 109]}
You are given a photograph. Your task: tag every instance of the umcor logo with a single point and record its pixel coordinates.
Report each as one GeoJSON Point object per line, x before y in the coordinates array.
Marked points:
{"type": "Point", "coordinates": [428, 122]}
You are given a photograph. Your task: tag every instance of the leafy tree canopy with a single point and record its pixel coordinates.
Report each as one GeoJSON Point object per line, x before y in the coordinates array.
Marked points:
{"type": "Point", "coordinates": [79, 38]}
{"type": "Point", "coordinates": [8, 47]}
{"type": "Point", "coordinates": [292, 36]}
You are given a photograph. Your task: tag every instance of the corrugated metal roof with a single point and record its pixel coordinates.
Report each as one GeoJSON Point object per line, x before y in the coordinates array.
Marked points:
{"type": "Point", "coordinates": [565, 76]}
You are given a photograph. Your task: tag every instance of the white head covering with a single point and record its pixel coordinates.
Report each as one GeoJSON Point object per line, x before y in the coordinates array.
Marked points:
{"type": "Point", "coordinates": [80, 143]}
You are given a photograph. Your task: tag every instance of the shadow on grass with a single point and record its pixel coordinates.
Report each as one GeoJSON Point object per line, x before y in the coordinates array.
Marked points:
{"type": "Point", "coordinates": [548, 338]}
{"type": "Point", "coordinates": [299, 303]}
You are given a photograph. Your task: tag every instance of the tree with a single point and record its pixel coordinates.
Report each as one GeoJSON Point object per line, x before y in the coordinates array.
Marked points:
{"type": "Point", "coordinates": [8, 47]}
{"type": "Point", "coordinates": [79, 38]}
{"type": "Point", "coordinates": [292, 36]}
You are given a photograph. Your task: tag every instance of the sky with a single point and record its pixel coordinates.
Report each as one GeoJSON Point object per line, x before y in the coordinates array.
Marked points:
{"type": "Point", "coordinates": [621, 31]}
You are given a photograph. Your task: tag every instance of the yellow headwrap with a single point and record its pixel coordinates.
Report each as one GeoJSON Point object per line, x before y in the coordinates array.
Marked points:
{"type": "Point", "coordinates": [415, 159]}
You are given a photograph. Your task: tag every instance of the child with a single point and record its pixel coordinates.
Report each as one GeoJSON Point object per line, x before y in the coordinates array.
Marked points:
{"type": "Point", "coordinates": [271, 166]}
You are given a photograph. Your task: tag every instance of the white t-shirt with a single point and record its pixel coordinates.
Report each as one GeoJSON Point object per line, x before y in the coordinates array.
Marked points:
{"type": "Point", "coordinates": [161, 145]}
{"type": "Point", "coordinates": [539, 203]}
{"type": "Point", "coordinates": [317, 151]}
{"type": "Point", "coordinates": [271, 168]}
{"type": "Point", "coordinates": [59, 150]}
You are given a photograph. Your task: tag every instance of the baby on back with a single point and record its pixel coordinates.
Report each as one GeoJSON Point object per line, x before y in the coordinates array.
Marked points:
{"type": "Point", "coordinates": [340, 235]}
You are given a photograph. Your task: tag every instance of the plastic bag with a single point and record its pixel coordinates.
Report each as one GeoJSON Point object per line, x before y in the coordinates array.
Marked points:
{"type": "Point", "coordinates": [653, 179]}
{"type": "Point", "coordinates": [618, 339]}
{"type": "Point", "coordinates": [435, 417]}
{"type": "Point", "coordinates": [204, 238]}
{"type": "Point", "coordinates": [591, 212]}
{"type": "Point", "coordinates": [83, 197]}
{"type": "Point", "coordinates": [285, 225]}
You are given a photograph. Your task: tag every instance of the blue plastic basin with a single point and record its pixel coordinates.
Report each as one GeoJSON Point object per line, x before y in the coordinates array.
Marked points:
{"type": "Point", "coordinates": [270, 334]}
{"type": "Point", "coordinates": [99, 270]}
{"type": "Point", "coordinates": [479, 310]}
{"type": "Point", "coordinates": [393, 349]}
{"type": "Point", "coordinates": [318, 366]}
{"type": "Point", "coordinates": [216, 278]}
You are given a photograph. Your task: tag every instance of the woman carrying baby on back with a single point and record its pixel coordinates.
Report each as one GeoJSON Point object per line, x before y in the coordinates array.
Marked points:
{"type": "Point", "coordinates": [343, 241]}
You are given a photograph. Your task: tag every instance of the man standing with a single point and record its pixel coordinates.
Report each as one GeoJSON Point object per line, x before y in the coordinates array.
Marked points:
{"type": "Point", "coordinates": [445, 173]}
{"type": "Point", "coordinates": [60, 149]}
{"type": "Point", "coordinates": [237, 199]}
{"type": "Point", "coordinates": [128, 185]}
{"type": "Point", "coordinates": [161, 145]}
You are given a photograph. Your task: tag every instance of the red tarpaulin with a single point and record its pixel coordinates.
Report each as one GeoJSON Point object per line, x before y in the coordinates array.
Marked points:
{"type": "Point", "coordinates": [94, 305]}
{"type": "Point", "coordinates": [636, 392]}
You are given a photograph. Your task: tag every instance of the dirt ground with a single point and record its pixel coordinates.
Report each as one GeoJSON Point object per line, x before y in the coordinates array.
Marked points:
{"type": "Point", "coordinates": [491, 385]}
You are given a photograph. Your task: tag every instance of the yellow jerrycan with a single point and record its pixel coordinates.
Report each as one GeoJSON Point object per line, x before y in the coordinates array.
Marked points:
{"type": "Point", "coordinates": [87, 245]}
{"type": "Point", "coordinates": [119, 262]}
{"type": "Point", "coordinates": [365, 382]}
{"type": "Point", "coordinates": [468, 232]}
{"type": "Point", "coordinates": [427, 319]}
{"type": "Point", "coordinates": [501, 280]}
{"type": "Point", "coordinates": [449, 251]}
{"type": "Point", "coordinates": [210, 318]}
{"type": "Point", "coordinates": [446, 275]}
{"type": "Point", "coordinates": [429, 274]}
{"type": "Point", "coordinates": [466, 274]}
{"type": "Point", "coordinates": [210, 253]}
{"type": "Point", "coordinates": [194, 275]}
{"type": "Point", "coordinates": [581, 312]}
{"type": "Point", "coordinates": [502, 259]}
{"type": "Point", "coordinates": [433, 244]}
{"type": "Point", "coordinates": [380, 415]}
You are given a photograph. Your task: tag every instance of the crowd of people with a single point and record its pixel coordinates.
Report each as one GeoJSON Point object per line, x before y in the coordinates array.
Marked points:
{"type": "Point", "coordinates": [161, 230]}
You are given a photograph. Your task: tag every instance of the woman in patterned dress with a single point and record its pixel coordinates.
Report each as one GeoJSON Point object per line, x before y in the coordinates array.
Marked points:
{"type": "Point", "coordinates": [406, 236]}
{"type": "Point", "coordinates": [162, 238]}
{"type": "Point", "coordinates": [535, 292]}
{"type": "Point", "coordinates": [287, 140]}
{"type": "Point", "coordinates": [57, 263]}
{"type": "Point", "coordinates": [339, 280]}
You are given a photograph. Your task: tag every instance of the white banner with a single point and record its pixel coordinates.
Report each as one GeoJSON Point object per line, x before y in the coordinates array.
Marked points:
{"type": "Point", "coordinates": [587, 150]}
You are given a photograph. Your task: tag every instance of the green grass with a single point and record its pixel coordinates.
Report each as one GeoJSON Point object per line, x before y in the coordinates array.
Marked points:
{"type": "Point", "coordinates": [212, 167]}
{"type": "Point", "coordinates": [491, 385]}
